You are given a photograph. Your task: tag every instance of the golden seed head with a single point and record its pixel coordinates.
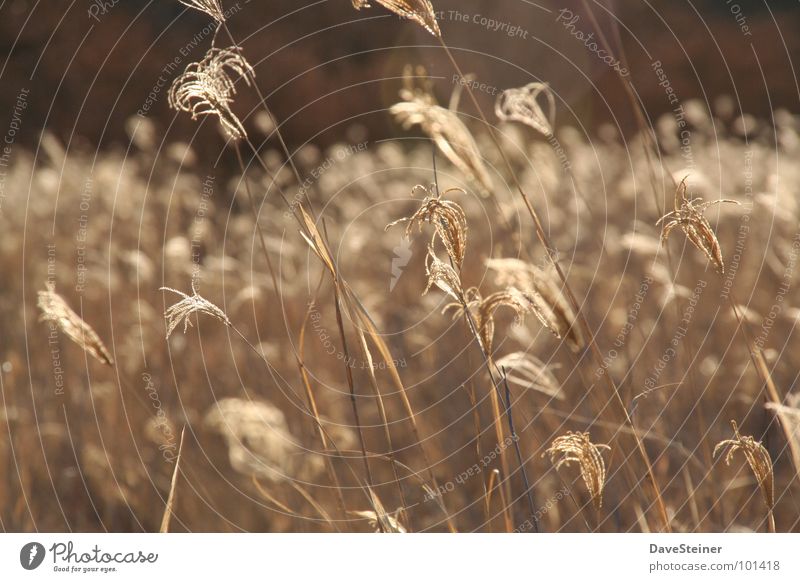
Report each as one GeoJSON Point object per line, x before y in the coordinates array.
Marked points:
{"type": "Point", "coordinates": [542, 294]}
{"type": "Point", "coordinates": [522, 105]}
{"type": "Point", "coordinates": [447, 218]}
{"type": "Point", "coordinates": [55, 309]}
{"type": "Point", "coordinates": [577, 447]}
{"type": "Point", "coordinates": [207, 87]}
{"type": "Point", "coordinates": [688, 215]}
{"type": "Point", "coordinates": [757, 457]}
{"type": "Point", "coordinates": [190, 304]}
{"type": "Point", "coordinates": [420, 11]}
{"type": "Point", "coordinates": [379, 519]}
{"type": "Point", "coordinates": [210, 7]}
{"type": "Point", "coordinates": [443, 276]}
{"type": "Point", "coordinates": [530, 373]}
{"type": "Point", "coordinates": [443, 126]}
{"type": "Point", "coordinates": [483, 311]}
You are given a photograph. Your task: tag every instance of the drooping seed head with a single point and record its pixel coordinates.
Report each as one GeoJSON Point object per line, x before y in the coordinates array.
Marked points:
{"type": "Point", "coordinates": [688, 215]}
{"type": "Point", "coordinates": [483, 309]}
{"type": "Point", "coordinates": [194, 303]}
{"type": "Point", "coordinates": [530, 373]}
{"type": "Point", "coordinates": [55, 309]}
{"type": "Point", "coordinates": [543, 295]}
{"type": "Point", "coordinates": [379, 519]}
{"type": "Point", "coordinates": [207, 87]}
{"type": "Point", "coordinates": [522, 105]}
{"type": "Point", "coordinates": [420, 11]}
{"type": "Point", "coordinates": [447, 218]}
{"type": "Point", "coordinates": [443, 276]}
{"type": "Point", "coordinates": [578, 448]}
{"type": "Point", "coordinates": [210, 7]}
{"type": "Point", "coordinates": [757, 458]}
{"type": "Point", "coordinates": [443, 126]}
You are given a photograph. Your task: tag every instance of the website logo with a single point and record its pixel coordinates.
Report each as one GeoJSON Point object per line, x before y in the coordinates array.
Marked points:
{"type": "Point", "coordinates": [31, 555]}
{"type": "Point", "coordinates": [402, 255]}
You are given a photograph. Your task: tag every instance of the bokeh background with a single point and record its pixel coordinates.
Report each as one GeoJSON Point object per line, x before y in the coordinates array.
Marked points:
{"type": "Point", "coordinates": [95, 71]}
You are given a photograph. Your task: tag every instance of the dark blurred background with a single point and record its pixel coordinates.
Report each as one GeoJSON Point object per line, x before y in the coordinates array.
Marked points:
{"type": "Point", "coordinates": [318, 62]}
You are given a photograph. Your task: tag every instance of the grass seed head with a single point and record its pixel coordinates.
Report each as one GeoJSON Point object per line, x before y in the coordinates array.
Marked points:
{"type": "Point", "coordinates": [207, 87]}
{"type": "Point", "coordinates": [757, 457]}
{"type": "Point", "coordinates": [542, 294]}
{"type": "Point", "coordinates": [530, 373]}
{"type": "Point", "coordinates": [443, 126]}
{"type": "Point", "coordinates": [259, 440]}
{"type": "Point", "coordinates": [483, 311]}
{"type": "Point", "coordinates": [379, 519]}
{"type": "Point", "coordinates": [447, 218]}
{"type": "Point", "coordinates": [688, 215]}
{"type": "Point", "coordinates": [190, 304]}
{"type": "Point", "coordinates": [443, 276]}
{"type": "Point", "coordinates": [420, 11]}
{"type": "Point", "coordinates": [210, 7]}
{"type": "Point", "coordinates": [522, 105]}
{"type": "Point", "coordinates": [577, 447]}
{"type": "Point", "coordinates": [55, 309]}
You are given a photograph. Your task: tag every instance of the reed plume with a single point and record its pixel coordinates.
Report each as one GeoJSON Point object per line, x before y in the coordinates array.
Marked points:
{"type": "Point", "coordinates": [210, 7]}
{"type": "Point", "coordinates": [190, 304]}
{"type": "Point", "coordinates": [443, 276]}
{"type": "Point", "coordinates": [530, 373]}
{"type": "Point", "coordinates": [522, 105]}
{"type": "Point", "coordinates": [379, 519]}
{"type": "Point", "coordinates": [483, 311]}
{"type": "Point", "coordinates": [420, 11]}
{"type": "Point", "coordinates": [543, 296]}
{"type": "Point", "coordinates": [447, 218]}
{"type": "Point", "coordinates": [688, 214]}
{"type": "Point", "coordinates": [760, 464]}
{"type": "Point", "coordinates": [420, 107]}
{"type": "Point", "coordinates": [790, 423]}
{"type": "Point", "coordinates": [207, 87]}
{"type": "Point", "coordinates": [55, 310]}
{"type": "Point", "coordinates": [259, 441]}
{"type": "Point", "coordinates": [578, 448]}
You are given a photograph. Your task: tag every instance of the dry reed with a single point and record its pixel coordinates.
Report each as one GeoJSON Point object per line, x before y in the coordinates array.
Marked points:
{"type": "Point", "coordinates": [420, 107]}
{"type": "Point", "coordinates": [207, 87]}
{"type": "Point", "coordinates": [420, 11]}
{"type": "Point", "coordinates": [190, 304]}
{"type": "Point", "coordinates": [522, 105]}
{"type": "Point", "coordinates": [576, 447]}
{"type": "Point", "coordinates": [542, 296]}
{"type": "Point", "coordinates": [210, 7]}
{"type": "Point", "coordinates": [688, 215]}
{"type": "Point", "coordinates": [760, 464]}
{"type": "Point", "coordinates": [447, 218]}
{"type": "Point", "coordinates": [55, 310]}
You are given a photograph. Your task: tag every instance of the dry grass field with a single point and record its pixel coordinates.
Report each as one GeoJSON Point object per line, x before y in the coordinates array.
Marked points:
{"type": "Point", "coordinates": [495, 321]}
